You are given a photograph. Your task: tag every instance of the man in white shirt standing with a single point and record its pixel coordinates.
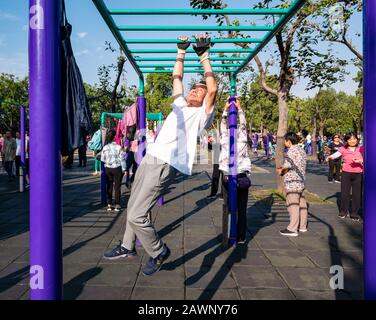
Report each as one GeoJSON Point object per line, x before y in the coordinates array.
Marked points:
{"type": "Point", "coordinates": [174, 150]}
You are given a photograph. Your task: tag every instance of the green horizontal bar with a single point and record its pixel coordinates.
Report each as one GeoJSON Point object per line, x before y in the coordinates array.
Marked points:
{"type": "Point", "coordinates": [196, 11]}
{"type": "Point", "coordinates": [191, 59]}
{"type": "Point", "coordinates": [195, 28]}
{"type": "Point", "coordinates": [191, 51]}
{"type": "Point", "coordinates": [101, 6]}
{"type": "Point", "coordinates": [194, 65]}
{"type": "Point", "coordinates": [242, 40]}
{"type": "Point", "coordinates": [186, 71]}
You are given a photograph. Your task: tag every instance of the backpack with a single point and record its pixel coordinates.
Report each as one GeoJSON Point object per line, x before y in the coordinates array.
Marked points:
{"type": "Point", "coordinates": [95, 143]}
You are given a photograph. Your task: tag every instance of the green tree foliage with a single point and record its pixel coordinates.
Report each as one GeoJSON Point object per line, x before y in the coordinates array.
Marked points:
{"type": "Point", "coordinates": [158, 93]}
{"type": "Point", "coordinates": [13, 93]}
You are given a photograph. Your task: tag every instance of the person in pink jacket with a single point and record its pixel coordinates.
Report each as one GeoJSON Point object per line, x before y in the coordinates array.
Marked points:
{"type": "Point", "coordinates": [352, 174]}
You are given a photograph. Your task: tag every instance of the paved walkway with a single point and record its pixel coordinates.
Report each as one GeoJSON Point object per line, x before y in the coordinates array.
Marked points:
{"type": "Point", "coordinates": [269, 266]}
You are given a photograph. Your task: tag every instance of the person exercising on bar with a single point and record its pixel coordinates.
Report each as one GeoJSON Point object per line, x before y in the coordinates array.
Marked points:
{"type": "Point", "coordinates": [174, 150]}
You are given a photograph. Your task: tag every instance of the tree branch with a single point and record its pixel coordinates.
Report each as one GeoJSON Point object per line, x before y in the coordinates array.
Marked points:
{"type": "Point", "coordinates": [264, 84]}
{"type": "Point", "coordinates": [349, 45]}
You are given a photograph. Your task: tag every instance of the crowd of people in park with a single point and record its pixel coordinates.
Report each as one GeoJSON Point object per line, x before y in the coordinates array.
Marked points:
{"type": "Point", "coordinates": [173, 150]}
{"type": "Point", "coordinates": [10, 151]}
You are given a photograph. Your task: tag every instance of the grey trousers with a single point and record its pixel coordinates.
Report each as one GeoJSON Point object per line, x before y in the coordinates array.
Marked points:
{"type": "Point", "coordinates": [152, 180]}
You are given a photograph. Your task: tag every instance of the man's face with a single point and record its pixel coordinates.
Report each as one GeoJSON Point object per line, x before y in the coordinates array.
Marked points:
{"type": "Point", "coordinates": [196, 96]}
{"type": "Point", "coordinates": [17, 135]}
{"type": "Point", "coordinates": [8, 135]}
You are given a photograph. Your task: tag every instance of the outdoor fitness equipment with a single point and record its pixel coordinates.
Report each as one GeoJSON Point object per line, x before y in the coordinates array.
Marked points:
{"type": "Point", "coordinates": [45, 119]}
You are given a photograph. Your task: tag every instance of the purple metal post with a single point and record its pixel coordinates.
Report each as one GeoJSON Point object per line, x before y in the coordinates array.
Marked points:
{"type": "Point", "coordinates": [160, 201]}
{"type": "Point", "coordinates": [141, 101]}
{"type": "Point", "coordinates": [232, 194]}
{"type": "Point", "coordinates": [103, 185]}
{"type": "Point", "coordinates": [45, 160]}
{"type": "Point", "coordinates": [23, 158]}
{"type": "Point", "coordinates": [369, 47]}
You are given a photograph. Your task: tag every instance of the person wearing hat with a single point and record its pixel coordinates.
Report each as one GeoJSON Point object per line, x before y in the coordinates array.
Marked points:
{"type": "Point", "coordinates": [173, 150]}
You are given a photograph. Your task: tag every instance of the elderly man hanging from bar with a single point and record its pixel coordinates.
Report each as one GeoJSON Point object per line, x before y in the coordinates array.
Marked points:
{"type": "Point", "coordinates": [174, 150]}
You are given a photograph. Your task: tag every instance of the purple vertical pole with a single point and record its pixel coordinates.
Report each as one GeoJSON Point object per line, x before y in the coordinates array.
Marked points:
{"type": "Point", "coordinates": [103, 185]}
{"type": "Point", "coordinates": [22, 131]}
{"type": "Point", "coordinates": [369, 45]}
{"type": "Point", "coordinates": [141, 101]}
{"type": "Point", "coordinates": [232, 194]}
{"type": "Point", "coordinates": [45, 166]}
{"type": "Point", "coordinates": [160, 202]}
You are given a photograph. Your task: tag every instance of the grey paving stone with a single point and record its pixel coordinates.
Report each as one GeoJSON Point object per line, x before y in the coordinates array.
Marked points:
{"type": "Point", "coordinates": [96, 293]}
{"type": "Point", "coordinates": [199, 231]}
{"type": "Point", "coordinates": [15, 273]}
{"type": "Point", "coordinates": [77, 274]}
{"type": "Point", "coordinates": [278, 242]}
{"type": "Point", "coordinates": [247, 258]}
{"type": "Point", "coordinates": [257, 277]}
{"type": "Point", "coordinates": [310, 242]}
{"type": "Point", "coordinates": [164, 278]}
{"type": "Point", "coordinates": [220, 294]}
{"type": "Point", "coordinates": [12, 292]}
{"type": "Point", "coordinates": [212, 257]}
{"type": "Point", "coordinates": [149, 293]}
{"type": "Point", "coordinates": [306, 278]}
{"type": "Point", "coordinates": [288, 258]}
{"type": "Point", "coordinates": [9, 254]}
{"type": "Point", "coordinates": [82, 254]}
{"type": "Point", "coordinates": [266, 294]}
{"type": "Point", "coordinates": [209, 278]}
{"type": "Point", "coordinates": [326, 259]}
{"type": "Point", "coordinates": [321, 295]}
{"type": "Point", "coordinates": [124, 275]}
{"type": "Point", "coordinates": [353, 279]}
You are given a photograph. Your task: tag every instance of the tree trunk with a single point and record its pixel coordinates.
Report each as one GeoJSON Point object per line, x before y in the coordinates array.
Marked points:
{"type": "Point", "coordinates": [282, 130]}
{"type": "Point", "coordinates": [321, 128]}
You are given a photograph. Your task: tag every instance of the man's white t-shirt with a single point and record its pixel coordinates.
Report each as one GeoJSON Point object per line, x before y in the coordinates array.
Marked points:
{"type": "Point", "coordinates": [177, 140]}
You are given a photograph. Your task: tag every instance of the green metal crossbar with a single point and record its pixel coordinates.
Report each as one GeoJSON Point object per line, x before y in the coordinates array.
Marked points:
{"type": "Point", "coordinates": [283, 16]}
{"type": "Point", "coordinates": [195, 28]}
{"type": "Point", "coordinates": [187, 65]}
{"type": "Point", "coordinates": [190, 59]}
{"type": "Point", "coordinates": [149, 116]}
{"type": "Point", "coordinates": [187, 70]}
{"type": "Point", "coordinates": [191, 51]}
{"type": "Point", "coordinates": [133, 12]}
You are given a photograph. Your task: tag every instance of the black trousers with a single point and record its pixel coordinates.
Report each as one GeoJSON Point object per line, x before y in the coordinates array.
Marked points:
{"type": "Point", "coordinates": [9, 168]}
{"type": "Point", "coordinates": [351, 189]}
{"type": "Point", "coordinates": [82, 156]}
{"type": "Point", "coordinates": [113, 179]}
{"type": "Point", "coordinates": [18, 165]}
{"type": "Point", "coordinates": [334, 164]}
{"type": "Point", "coordinates": [215, 180]}
{"type": "Point", "coordinates": [242, 199]}
{"type": "Point", "coordinates": [131, 163]}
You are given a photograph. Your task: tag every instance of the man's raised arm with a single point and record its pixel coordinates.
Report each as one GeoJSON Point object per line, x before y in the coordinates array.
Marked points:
{"type": "Point", "coordinates": [179, 68]}
{"type": "Point", "coordinates": [203, 51]}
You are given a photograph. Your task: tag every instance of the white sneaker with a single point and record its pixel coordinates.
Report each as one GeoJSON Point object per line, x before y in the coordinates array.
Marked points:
{"type": "Point", "coordinates": [303, 230]}
{"type": "Point", "coordinates": [109, 208]}
{"type": "Point", "coordinates": [117, 209]}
